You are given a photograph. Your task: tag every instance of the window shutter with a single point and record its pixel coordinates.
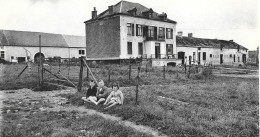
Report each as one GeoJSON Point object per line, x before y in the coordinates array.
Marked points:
{"type": "Point", "coordinates": [145, 31]}
{"type": "Point", "coordinates": [155, 32]}
{"type": "Point", "coordinates": [137, 30]}
{"type": "Point", "coordinates": [163, 33]}
{"type": "Point", "coordinates": [133, 29]}
{"type": "Point", "coordinates": [171, 33]}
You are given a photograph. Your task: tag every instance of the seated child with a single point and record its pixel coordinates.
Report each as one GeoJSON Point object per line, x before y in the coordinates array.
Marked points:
{"type": "Point", "coordinates": [102, 92]}
{"type": "Point", "coordinates": [115, 97]}
{"type": "Point", "coordinates": [91, 93]}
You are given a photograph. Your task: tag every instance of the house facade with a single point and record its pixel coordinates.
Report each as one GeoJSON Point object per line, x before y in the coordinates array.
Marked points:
{"type": "Point", "coordinates": [23, 46]}
{"type": "Point", "coordinates": [130, 30]}
{"type": "Point", "coordinates": [253, 56]}
{"type": "Point", "coordinates": [210, 51]}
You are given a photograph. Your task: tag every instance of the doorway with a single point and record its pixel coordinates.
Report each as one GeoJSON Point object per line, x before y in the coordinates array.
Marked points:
{"type": "Point", "coordinates": [244, 58]}
{"type": "Point", "coordinates": [181, 55]}
{"type": "Point", "coordinates": [199, 58]}
{"type": "Point", "coordinates": [221, 58]}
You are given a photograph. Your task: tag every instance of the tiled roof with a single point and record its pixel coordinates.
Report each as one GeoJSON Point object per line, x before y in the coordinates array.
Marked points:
{"type": "Point", "coordinates": [25, 38]}
{"type": "Point", "coordinates": [201, 42]}
{"type": "Point", "coordinates": [123, 7]}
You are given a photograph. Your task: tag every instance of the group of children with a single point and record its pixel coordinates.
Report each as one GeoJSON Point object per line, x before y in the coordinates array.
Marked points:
{"type": "Point", "coordinates": [100, 93]}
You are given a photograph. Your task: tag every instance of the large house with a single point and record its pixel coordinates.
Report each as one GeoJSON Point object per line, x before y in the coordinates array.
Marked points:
{"type": "Point", "coordinates": [130, 30]}
{"type": "Point", "coordinates": [21, 46]}
{"type": "Point", "coordinates": [209, 51]}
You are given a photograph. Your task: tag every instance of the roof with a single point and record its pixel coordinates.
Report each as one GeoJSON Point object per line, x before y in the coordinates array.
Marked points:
{"type": "Point", "coordinates": [202, 42]}
{"type": "Point", "coordinates": [122, 8]}
{"type": "Point", "coordinates": [25, 38]}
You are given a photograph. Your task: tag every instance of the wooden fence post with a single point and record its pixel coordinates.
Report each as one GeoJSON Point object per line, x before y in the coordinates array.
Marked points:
{"type": "Point", "coordinates": [185, 67]}
{"type": "Point", "coordinates": [137, 85]}
{"type": "Point", "coordinates": [164, 71]}
{"type": "Point", "coordinates": [59, 64]}
{"type": "Point", "coordinates": [130, 71]}
{"type": "Point", "coordinates": [69, 69]}
{"type": "Point", "coordinates": [109, 75]}
{"type": "Point", "coordinates": [80, 74]}
{"type": "Point", "coordinates": [146, 67]}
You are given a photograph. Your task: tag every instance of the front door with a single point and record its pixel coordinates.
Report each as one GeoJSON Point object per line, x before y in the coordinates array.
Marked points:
{"type": "Point", "coordinates": [157, 51]}
{"type": "Point", "coordinates": [181, 56]}
{"type": "Point", "coordinates": [244, 58]}
{"type": "Point", "coordinates": [199, 58]}
{"type": "Point", "coordinates": [221, 58]}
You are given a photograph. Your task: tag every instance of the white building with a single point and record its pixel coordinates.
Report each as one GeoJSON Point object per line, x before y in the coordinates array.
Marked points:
{"type": "Point", "coordinates": [130, 30]}
{"type": "Point", "coordinates": [21, 46]}
{"type": "Point", "coordinates": [210, 51]}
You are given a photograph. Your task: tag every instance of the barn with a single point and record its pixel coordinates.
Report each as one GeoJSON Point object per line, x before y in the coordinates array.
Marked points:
{"type": "Point", "coordinates": [23, 46]}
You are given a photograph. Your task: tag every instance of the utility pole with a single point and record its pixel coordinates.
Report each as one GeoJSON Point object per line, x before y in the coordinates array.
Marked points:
{"type": "Point", "coordinates": [40, 65]}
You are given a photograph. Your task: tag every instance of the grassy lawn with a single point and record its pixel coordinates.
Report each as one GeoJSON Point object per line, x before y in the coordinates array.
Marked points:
{"type": "Point", "coordinates": [220, 107]}
{"type": "Point", "coordinates": [21, 119]}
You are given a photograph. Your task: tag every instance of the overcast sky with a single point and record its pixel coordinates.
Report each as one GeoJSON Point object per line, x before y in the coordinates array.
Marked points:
{"type": "Point", "coordinates": [236, 20]}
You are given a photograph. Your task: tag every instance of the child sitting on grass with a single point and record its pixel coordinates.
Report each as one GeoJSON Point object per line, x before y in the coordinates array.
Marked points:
{"type": "Point", "coordinates": [115, 97]}
{"type": "Point", "coordinates": [102, 92]}
{"type": "Point", "coordinates": [91, 93]}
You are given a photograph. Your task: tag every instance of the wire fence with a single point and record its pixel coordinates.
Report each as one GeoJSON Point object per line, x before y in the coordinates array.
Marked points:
{"type": "Point", "coordinates": [66, 71]}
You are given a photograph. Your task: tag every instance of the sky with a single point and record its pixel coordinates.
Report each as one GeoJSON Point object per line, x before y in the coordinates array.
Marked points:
{"type": "Point", "coordinates": [237, 20]}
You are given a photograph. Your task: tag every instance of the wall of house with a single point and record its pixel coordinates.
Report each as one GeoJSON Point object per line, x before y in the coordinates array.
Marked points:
{"type": "Point", "coordinates": [103, 38]}
{"type": "Point", "coordinates": [215, 59]}
{"type": "Point", "coordinates": [148, 45]}
{"type": "Point", "coordinates": [47, 51]}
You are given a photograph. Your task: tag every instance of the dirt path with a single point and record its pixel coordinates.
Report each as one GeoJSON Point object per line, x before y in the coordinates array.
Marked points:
{"type": "Point", "coordinates": [51, 97]}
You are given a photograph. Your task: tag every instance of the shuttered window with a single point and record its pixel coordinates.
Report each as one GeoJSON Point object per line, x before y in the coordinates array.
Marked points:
{"type": "Point", "coordinates": [2, 54]}
{"type": "Point", "coordinates": [140, 48]}
{"type": "Point", "coordinates": [129, 48]}
{"type": "Point", "coordinates": [139, 30]}
{"type": "Point", "coordinates": [130, 29]}
{"type": "Point", "coordinates": [169, 33]}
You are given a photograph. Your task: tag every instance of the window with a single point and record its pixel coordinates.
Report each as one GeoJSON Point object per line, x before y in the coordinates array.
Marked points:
{"type": "Point", "coordinates": [2, 54]}
{"type": "Point", "coordinates": [169, 48]}
{"type": "Point", "coordinates": [194, 56]}
{"type": "Point", "coordinates": [169, 33]}
{"type": "Point", "coordinates": [234, 58]}
{"type": "Point", "coordinates": [210, 55]}
{"type": "Point", "coordinates": [12, 57]}
{"type": "Point", "coordinates": [81, 52]}
{"type": "Point", "coordinates": [150, 15]}
{"type": "Point", "coordinates": [140, 48]}
{"type": "Point", "coordinates": [204, 55]}
{"type": "Point", "coordinates": [161, 33]}
{"type": "Point", "coordinates": [129, 48]}
{"type": "Point", "coordinates": [230, 55]}
{"type": "Point", "coordinates": [150, 31]}
{"type": "Point", "coordinates": [130, 29]}
{"type": "Point", "coordinates": [238, 59]}
{"type": "Point", "coordinates": [139, 30]}
{"type": "Point", "coordinates": [199, 48]}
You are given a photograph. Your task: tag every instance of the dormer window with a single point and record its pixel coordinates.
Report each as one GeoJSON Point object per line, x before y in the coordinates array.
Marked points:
{"type": "Point", "coordinates": [148, 13]}
{"type": "Point", "coordinates": [163, 16]}
{"type": "Point", "coordinates": [132, 11]}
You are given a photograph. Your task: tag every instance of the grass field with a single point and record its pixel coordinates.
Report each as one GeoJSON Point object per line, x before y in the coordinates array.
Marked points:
{"type": "Point", "coordinates": [219, 107]}
{"type": "Point", "coordinates": [176, 105]}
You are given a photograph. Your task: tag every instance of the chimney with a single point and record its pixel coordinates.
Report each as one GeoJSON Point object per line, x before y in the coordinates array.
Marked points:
{"type": "Point", "coordinates": [94, 13]}
{"type": "Point", "coordinates": [110, 9]}
{"type": "Point", "coordinates": [180, 33]}
{"type": "Point", "coordinates": [190, 35]}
